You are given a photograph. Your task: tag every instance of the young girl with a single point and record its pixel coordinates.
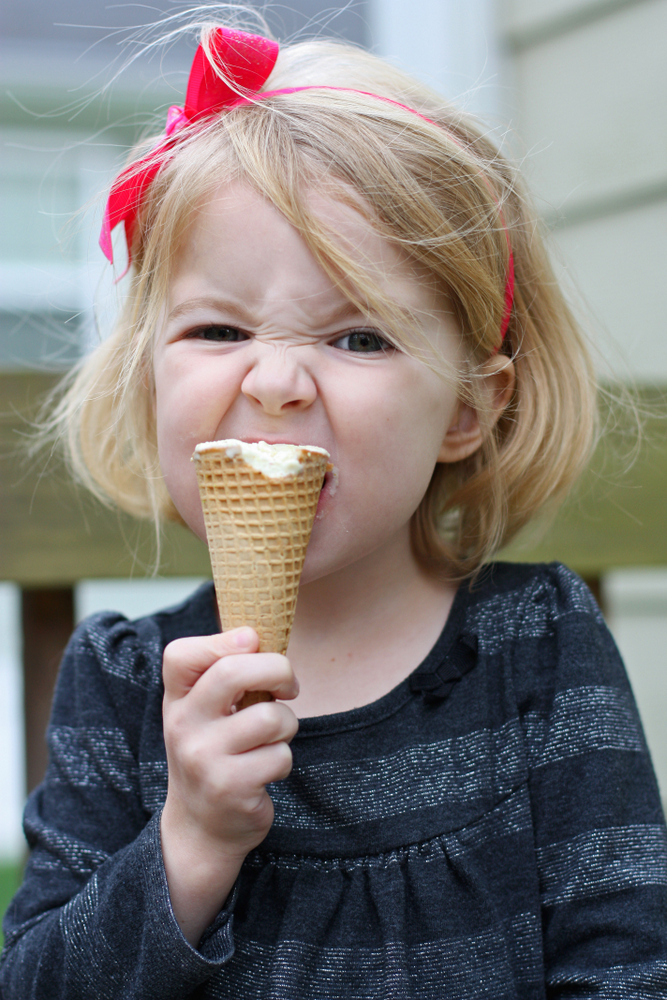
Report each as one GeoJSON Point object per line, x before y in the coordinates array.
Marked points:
{"type": "Point", "coordinates": [450, 796]}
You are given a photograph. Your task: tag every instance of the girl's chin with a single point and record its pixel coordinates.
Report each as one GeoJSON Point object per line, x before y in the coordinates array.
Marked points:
{"type": "Point", "coordinates": [195, 522]}
{"type": "Point", "coordinates": [318, 563]}
{"type": "Point", "coordinates": [327, 555]}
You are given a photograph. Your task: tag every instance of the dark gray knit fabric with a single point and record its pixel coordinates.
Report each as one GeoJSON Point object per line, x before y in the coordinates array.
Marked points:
{"type": "Point", "coordinates": [491, 828]}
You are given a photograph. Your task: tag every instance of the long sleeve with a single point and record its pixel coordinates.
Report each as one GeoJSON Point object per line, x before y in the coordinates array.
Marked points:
{"type": "Point", "coordinates": [598, 825]}
{"type": "Point", "coordinates": [93, 917]}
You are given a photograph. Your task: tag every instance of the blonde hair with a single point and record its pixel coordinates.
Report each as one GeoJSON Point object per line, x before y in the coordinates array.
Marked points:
{"type": "Point", "coordinates": [442, 192]}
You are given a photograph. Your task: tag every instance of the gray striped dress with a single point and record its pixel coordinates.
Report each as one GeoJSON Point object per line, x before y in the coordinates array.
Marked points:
{"type": "Point", "coordinates": [491, 828]}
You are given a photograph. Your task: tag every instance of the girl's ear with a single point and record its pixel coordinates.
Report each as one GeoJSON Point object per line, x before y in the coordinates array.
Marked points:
{"type": "Point", "coordinates": [465, 434]}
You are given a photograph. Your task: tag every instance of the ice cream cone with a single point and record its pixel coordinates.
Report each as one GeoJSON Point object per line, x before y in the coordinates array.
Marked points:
{"type": "Point", "coordinates": [258, 524]}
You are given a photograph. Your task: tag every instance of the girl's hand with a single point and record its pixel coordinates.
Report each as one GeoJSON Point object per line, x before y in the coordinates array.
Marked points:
{"type": "Point", "coordinates": [219, 761]}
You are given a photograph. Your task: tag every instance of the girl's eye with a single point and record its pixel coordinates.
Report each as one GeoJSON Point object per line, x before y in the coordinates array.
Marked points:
{"type": "Point", "coordinates": [362, 342]}
{"type": "Point", "coordinates": [219, 333]}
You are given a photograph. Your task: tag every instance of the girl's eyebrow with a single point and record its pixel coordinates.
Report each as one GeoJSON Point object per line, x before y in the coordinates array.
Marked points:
{"type": "Point", "coordinates": [346, 310]}
{"type": "Point", "coordinates": [236, 310]}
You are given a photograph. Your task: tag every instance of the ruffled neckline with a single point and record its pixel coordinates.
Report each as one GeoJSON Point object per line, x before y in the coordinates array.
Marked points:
{"type": "Point", "coordinates": [451, 657]}
{"type": "Point", "coordinates": [430, 678]}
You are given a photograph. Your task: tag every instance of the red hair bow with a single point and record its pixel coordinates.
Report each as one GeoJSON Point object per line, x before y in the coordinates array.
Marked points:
{"type": "Point", "coordinates": [247, 62]}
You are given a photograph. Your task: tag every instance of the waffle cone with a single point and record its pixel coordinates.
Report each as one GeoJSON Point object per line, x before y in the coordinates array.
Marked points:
{"type": "Point", "coordinates": [257, 530]}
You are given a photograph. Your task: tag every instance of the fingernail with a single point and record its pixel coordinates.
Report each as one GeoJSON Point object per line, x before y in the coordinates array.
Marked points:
{"type": "Point", "coordinates": [243, 638]}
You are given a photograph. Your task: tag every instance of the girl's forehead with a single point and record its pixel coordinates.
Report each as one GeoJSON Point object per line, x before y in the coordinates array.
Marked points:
{"type": "Point", "coordinates": [238, 209]}
{"type": "Point", "coordinates": [240, 246]}
{"type": "Point", "coordinates": [239, 239]}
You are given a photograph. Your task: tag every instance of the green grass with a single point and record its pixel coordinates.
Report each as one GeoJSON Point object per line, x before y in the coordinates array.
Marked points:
{"type": "Point", "coordinates": [10, 876]}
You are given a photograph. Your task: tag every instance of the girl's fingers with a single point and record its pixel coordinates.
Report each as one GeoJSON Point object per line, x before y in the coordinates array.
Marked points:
{"type": "Point", "coordinates": [259, 767]}
{"type": "Point", "coordinates": [262, 724]}
{"type": "Point", "coordinates": [218, 691]}
{"type": "Point", "coordinates": [221, 754]}
{"type": "Point", "coordinates": [185, 660]}
{"type": "Point", "coordinates": [268, 763]}
{"type": "Point", "coordinates": [224, 683]}
{"type": "Point", "coordinates": [200, 686]}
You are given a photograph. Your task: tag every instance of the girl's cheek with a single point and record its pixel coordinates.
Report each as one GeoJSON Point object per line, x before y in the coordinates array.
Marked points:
{"type": "Point", "coordinates": [181, 483]}
{"type": "Point", "coordinates": [174, 456]}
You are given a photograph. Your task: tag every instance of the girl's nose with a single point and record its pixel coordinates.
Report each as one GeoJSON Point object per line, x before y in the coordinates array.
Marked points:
{"type": "Point", "coordinates": [278, 382]}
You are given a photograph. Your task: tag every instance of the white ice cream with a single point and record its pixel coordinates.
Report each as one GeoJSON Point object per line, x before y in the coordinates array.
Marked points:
{"type": "Point", "coordinates": [275, 461]}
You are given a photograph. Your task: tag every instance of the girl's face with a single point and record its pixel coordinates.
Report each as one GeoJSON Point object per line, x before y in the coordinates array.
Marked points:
{"type": "Point", "coordinates": [257, 343]}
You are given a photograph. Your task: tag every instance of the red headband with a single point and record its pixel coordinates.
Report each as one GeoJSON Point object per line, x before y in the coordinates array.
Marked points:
{"type": "Point", "coordinates": [247, 61]}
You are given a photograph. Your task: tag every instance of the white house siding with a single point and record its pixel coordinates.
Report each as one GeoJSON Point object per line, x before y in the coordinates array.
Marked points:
{"type": "Point", "coordinates": [637, 607]}
{"type": "Point", "coordinates": [451, 46]}
{"type": "Point", "coordinates": [590, 91]}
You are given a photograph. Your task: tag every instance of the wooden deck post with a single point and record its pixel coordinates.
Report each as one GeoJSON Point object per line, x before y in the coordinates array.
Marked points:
{"type": "Point", "coordinates": [594, 584]}
{"type": "Point", "coordinates": [48, 621]}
